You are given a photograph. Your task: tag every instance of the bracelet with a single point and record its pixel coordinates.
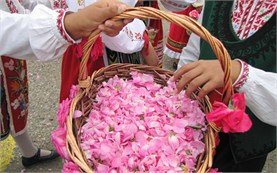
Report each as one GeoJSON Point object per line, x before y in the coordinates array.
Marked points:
{"type": "Point", "coordinates": [60, 25]}
{"type": "Point", "coordinates": [242, 76]}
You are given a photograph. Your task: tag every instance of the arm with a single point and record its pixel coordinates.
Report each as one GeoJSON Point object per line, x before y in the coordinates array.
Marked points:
{"type": "Point", "coordinates": [36, 35]}
{"type": "Point", "coordinates": [149, 54]}
{"type": "Point", "coordinates": [259, 88]}
{"type": "Point", "coordinates": [44, 33]}
{"type": "Point", "coordinates": [260, 91]}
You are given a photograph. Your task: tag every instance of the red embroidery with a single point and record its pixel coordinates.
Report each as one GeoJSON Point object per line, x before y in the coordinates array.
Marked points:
{"type": "Point", "coordinates": [138, 35]}
{"type": "Point", "coordinates": [60, 4]}
{"type": "Point", "coordinates": [11, 6]}
{"type": "Point", "coordinates": [251, 20]}
{"type": "Point", "coordinates": [243, 77]}
{"type": "Point", "coordinates": [248, 18]}
{"type": "Point", "coordinates": [131, 35]}
{"type": "Point", "coordinates": [60, 26]}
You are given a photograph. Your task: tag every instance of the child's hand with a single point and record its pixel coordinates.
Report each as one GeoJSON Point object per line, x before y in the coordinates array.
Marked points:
{"type": "Point", "coordinates": [82, 23]}
{"type": "Point", "coordinates": [206, 74]}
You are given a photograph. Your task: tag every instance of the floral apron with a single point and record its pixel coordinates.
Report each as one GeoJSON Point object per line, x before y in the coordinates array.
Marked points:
{"type": "Point", "coordinates": [14, 96]}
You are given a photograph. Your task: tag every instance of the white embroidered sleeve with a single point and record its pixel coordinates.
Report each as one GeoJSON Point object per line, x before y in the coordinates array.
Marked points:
{"type": "Point", "coordinates": [259, 87]}
{"type": "Point", "coordinates": [129, 40]}
{"type": "Point", "coordinates": [260, 90]}
{"type": "Point", "coordinates": [32, 36]}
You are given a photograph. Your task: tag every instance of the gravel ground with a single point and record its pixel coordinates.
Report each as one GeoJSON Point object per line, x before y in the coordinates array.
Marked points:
{"type": "Point", "coordinates": [44, 80]}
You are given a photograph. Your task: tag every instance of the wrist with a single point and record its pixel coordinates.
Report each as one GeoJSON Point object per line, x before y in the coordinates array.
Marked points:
{"type": "Point", "coordinates": [70, 25]}
{"type": "Point", "coordinates": [242, 76]}
{"type": "Point", "coordinates": [235, 71]}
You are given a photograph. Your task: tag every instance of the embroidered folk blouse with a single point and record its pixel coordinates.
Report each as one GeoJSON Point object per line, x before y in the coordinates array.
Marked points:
{"type": "Point", "coordinates": [259, 86]}
{"type": "Point", "coordinates": [40, 34]}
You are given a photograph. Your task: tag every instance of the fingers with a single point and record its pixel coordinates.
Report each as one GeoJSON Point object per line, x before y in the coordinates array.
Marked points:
{"type": "Point", "coordinates": [204, 74]}
{"type": "Point", "coordinates": [207, 88]}
{"type": "Point", "coordinates": [111, 8]}
{"type": "Point", "coordinates": [187, 78]}
{"type": "Point", "coordinates": [112, 28]}
{"type": "Point", "coordinates": [195, 84]}
{"type": "Point", "coordinates": [184, 69]}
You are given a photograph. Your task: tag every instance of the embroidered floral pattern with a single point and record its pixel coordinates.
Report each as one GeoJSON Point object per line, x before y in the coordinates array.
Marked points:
{"type": "Point", "coordinates": [60, 26]}
{"type": "Point", "coordinates": [133, 36]}
{"type": "Point", "coordinates": [17, 90]}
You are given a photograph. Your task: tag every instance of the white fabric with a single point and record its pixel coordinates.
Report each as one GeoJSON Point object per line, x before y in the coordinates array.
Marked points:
{"type": "Point", "coordinates": [176, 5]}
{"type": "Point", "coordinates": [123, 42]}
{"type": "Point", "coordinates": [260, 88]}
{"type": "Point", "coordinates": [261, 94]}
{"type": "Point", "coordinates": [171, 54]}
{"type": "Point", "coordinates": [31, 36]}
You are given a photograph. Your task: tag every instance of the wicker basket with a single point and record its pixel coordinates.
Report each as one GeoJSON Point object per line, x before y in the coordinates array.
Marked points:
{"type": "Point", "coordinates": [90, 84]}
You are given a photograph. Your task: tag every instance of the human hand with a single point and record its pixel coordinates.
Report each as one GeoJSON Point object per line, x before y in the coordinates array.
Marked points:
{"type": "Point", "coordinates": [206, 74]}
{"type": "Point", "coordinates": [82, 23]}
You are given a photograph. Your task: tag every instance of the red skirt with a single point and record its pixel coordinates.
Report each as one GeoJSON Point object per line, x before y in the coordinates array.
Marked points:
{"type": "Point", "coordinates": [71, 65]}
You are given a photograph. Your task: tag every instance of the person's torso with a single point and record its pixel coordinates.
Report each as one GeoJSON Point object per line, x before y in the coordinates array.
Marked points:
{"type": "Point", "coordinates": [259, 50]}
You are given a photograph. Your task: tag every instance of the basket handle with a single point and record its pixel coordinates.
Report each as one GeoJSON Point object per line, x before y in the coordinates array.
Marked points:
{"type": "Point", "coordinates": [184, 21]}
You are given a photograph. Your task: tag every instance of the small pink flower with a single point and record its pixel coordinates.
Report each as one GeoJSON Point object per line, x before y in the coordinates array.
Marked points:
{"type": "Point", "coordinates": [173, 141]}
{"type": "Point", "coordinates": [189, 133]}
{"type": "Point", "coordinates": [77, 114]}
{"type": "Point", "coordinates": [70, 167]}
{"type": "Point", "coordinates": [194, 14]}
{"type": "Point", "coordinates": [102, 168]}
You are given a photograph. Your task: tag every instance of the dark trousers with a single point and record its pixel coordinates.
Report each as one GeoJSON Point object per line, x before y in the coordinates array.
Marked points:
{"type": "Point", "coordinates": [225, 162]}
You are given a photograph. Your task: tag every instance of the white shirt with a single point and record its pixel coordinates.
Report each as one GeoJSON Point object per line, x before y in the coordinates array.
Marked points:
{"type": "Point", "coordinates": [260, 87]}
{"type": "Point", "coordinates": [35, 34]}
{"type": "Point", "coordinates": [30, 35]}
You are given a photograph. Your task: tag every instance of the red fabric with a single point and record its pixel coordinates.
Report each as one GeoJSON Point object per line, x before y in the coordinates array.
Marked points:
{"type": "Point", "coordinates": [15, 86]}
{"type": "Point", "coordinates": [215, 95]}
{"type": "Point", "coordinates": [178, 36]}
{"type": "Point", "coordinates": [71, 64]}
{"type": "Point", "coordinates": [146, 44]}
{"type": "Point", "coordinates": [157, 26]}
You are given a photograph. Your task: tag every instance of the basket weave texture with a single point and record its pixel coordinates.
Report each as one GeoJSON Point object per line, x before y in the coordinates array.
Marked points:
{"type": "Point", "coordinates": [90, 84]}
